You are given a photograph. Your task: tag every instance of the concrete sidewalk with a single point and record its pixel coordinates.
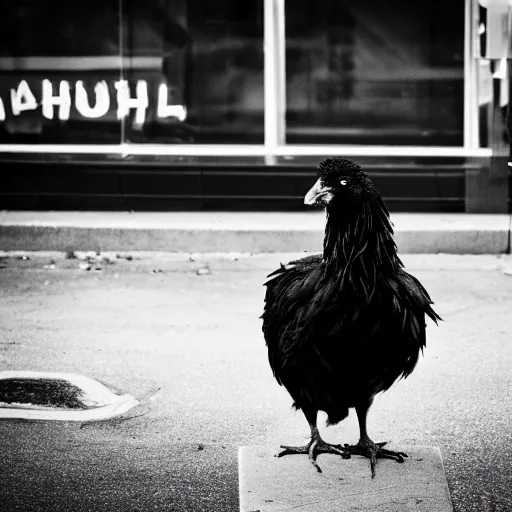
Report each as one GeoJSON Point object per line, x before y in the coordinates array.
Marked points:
{"type": "Point", "coordinates": [253, 232]}
{"type": "Point", "coordinates": [153, 326]}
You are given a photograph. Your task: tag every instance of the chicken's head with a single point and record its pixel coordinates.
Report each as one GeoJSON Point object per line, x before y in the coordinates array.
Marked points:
{"type": "Point", "coordinates": [341, 182]}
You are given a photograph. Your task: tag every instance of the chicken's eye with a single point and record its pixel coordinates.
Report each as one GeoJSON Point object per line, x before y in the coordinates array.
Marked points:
{"type": "Point", "coordinates": [343, 182]}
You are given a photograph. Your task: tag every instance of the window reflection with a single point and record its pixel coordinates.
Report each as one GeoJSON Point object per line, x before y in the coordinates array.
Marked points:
{"type": "Point", "coordinates": [144, 71]}
{"type": "Point", "coordinates": [373, 72]}
{"type": "Point", "coordinates": [206, 82]}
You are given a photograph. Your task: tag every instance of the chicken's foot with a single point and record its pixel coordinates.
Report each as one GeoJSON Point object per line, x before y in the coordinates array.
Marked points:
{"type": "Point", "coordinates": [367, 448]}
{"type": "Point", "coordinates": [315, 447]}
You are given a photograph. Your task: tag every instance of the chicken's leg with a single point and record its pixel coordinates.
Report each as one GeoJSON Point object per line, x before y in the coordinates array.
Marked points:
{"type": "Point", "coordinates": [316, 445]}
{"type": "Point", "coordinates": [366, 447]}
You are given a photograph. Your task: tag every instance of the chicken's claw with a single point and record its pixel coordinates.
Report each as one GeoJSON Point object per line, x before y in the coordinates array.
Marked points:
{"type": "Point", "coordinates": [315, 447]}
{"type": "Point", "coordinates": [373, 451]}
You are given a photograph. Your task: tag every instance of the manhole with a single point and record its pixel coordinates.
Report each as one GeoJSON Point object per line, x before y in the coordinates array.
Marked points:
{"type": "Point", "coordinates": [59, 396]}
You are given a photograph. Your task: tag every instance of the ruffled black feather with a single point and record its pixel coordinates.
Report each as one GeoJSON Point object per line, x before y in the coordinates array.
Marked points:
{"type": "Point", "coordinates": [343, 326]}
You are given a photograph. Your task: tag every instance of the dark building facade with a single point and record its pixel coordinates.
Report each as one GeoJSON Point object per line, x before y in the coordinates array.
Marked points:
{"type": "Point", "coordinates": [193, 104]}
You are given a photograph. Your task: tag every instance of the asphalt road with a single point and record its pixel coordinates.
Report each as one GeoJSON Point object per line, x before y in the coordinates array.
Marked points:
{"type": "Point", "coordinates": [190, 348]}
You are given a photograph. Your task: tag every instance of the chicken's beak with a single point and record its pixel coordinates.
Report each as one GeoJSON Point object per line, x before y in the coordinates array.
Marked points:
{"type": "Point", "coordinates": [318, 195]}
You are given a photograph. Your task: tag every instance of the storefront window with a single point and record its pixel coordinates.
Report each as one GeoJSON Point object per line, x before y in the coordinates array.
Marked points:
{"type": "Point", "coordinates": [202, 65]}
{"type": "Point", "coordinates": [59, 66]}
{"type": "Point", "coordinates": [374, 72]}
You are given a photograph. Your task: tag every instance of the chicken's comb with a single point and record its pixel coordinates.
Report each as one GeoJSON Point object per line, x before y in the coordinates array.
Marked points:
{"type": "Point", "coordinates": [339, 166]}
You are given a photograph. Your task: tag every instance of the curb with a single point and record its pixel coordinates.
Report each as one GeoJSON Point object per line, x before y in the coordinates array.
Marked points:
{"type": "Point", "coordinates": [245, 232]}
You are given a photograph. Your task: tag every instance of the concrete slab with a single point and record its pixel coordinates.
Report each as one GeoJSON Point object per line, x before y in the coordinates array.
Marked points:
{"type": "Point", "coordinates": [254, 232]}
{"type": "Point", "coordinates": [270, 484]}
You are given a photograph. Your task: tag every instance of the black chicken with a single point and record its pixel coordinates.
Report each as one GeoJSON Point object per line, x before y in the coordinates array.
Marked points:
{"type": "Point", "coordinates": [343, 326]}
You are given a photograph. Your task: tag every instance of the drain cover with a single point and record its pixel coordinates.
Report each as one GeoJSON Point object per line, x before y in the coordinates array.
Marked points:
{"type": "Point", "coordinates": [59, 396]}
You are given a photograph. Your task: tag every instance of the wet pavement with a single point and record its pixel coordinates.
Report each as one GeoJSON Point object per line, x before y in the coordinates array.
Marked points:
{"type": "Point", "coordinates": [184, 338]}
